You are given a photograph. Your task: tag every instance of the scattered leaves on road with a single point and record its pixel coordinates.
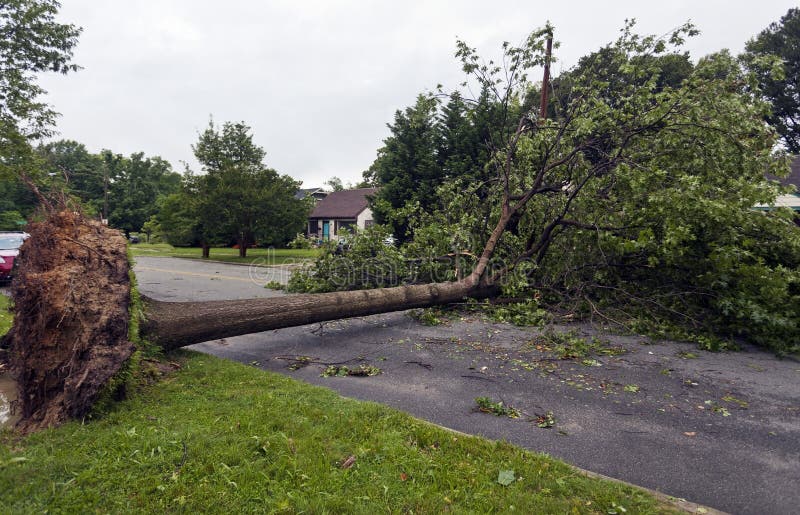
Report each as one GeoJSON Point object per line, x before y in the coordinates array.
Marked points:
{"type": "Point", "coordinates": [487, 405]}
{"type": "Point", "coordinates": [343, 371]}
{"type": "Point", "coordinates": [546, 421]}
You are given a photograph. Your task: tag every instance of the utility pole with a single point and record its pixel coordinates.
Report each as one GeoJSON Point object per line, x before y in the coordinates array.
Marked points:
{"type": "Point", "coordinates": [546, 80]}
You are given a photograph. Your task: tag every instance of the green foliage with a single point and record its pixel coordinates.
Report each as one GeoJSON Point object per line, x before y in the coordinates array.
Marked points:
{"type": "Point", "coordinates": [136, 190]}
{"type": "Point", "coordinates": [238, 198]}
{"type": "Point", "coordinates": [301, 241]}
{"type": "Point", "coordinates": [428, 316]}
{"type": "Point", "coordinates": [432, 146]}
{"type": "Point", "coordinates": [774, 58]}
{"type": "Point", "coordinates": [345, 371]}
{"type": "Point", "coordinates": [6, 314]}
{"type": "Point", "coordinates": [364, 260]}
{"type": "Point", "coordinates": [217, 436]}
{"type": "Point", "coordinates": [571, 345]}
{"type": "Point", "coordinates": [406, 166]}
{"type": "Point", "coordinates": [546, 421]}
{"type": "Point", "coordinates": [487, 405]}
{"type": "Point", "coordinates": [125, 190]}
{"type": "Point", "coordinates": [11, 221]}
{"type": "Point", "coordinates": [275, 285]}
{"type": "Point", "coordinates": [525, 313]}
{"type": "Point", "coordinates": [645, 206]}
{"type": "Point", "coordinates": [32, 43]}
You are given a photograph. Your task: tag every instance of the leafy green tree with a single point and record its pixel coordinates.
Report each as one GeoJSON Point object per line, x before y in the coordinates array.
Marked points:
{"type": "Point", "coordinates": [633, 201]}
{"type": "Point", "coordinates": [32, 42]}
{"type": "Point", "coordinates": [74, 169]}
{"type": "Point", "coordinates": [780, 86]}
{"type": "Point", "coordinates": [434, 144]}
{"type": "Point", "coordinates": [151, 228]}
{"type": "Point", "coordinates": [406, 168]}
{"type": "Point", "coordinates": [179, 220]}
{"type": "Point", "coordinates": [239, 196]}
{"type": "Point", "coordinates": [17, 202]}
{"type": "Point", "coordinates": [138, 184]}
{"type": "Point", "coordinates": [11, 221]}
{"type": "Point", "coordinates": [335, 184]}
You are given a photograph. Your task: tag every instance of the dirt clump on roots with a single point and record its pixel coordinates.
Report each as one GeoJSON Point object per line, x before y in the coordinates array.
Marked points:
{"type": "Point", "coordinates": [70, 332]}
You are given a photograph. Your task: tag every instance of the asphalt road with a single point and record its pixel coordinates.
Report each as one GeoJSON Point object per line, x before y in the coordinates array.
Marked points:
{"type": "Point", "coordinates": [174, 279]}
{"type": "Point", "coordinates": [721, 430]}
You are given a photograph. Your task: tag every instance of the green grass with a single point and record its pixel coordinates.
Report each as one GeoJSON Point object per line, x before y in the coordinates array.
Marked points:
{"type": "Point", "coordinates": [217, 436]}
{"type": "Point", "coordinates": [6, 316]}
{"type": "Point", "coordinates": [226, 254]}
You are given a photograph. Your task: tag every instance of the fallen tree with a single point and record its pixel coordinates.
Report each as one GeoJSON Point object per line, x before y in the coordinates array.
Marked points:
{"type": "Point", "coordinates": [573, 172]}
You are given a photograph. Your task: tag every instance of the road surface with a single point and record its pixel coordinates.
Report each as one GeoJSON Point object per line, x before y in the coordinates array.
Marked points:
{"type": "Point", "coordinates": [719, 429]}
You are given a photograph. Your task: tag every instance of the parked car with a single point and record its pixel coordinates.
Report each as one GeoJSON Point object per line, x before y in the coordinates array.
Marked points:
{"type": "Point", "coordinates": [10, 242]}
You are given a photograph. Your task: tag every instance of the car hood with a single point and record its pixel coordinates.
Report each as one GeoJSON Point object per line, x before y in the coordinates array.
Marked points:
{"type": "Point", "coordinates": [9, 253]}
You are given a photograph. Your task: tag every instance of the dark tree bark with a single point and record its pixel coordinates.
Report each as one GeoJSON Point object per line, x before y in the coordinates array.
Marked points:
{"type": "Point", "coordinates": [177, 324]}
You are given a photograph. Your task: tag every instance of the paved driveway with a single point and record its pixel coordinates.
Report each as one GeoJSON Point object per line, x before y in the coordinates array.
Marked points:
{"type": "Point", "coordinates": [718, 429]}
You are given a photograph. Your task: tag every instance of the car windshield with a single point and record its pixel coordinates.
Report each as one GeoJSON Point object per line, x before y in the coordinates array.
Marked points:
{"type": "Point", "coordinates": [11, 242]}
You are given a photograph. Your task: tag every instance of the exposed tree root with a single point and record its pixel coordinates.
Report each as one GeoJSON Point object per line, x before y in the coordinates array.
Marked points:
{"type": "Point", "coordinates": [70, 331]}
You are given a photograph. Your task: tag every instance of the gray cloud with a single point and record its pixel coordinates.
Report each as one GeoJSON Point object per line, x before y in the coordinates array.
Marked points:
{"type": "Point", "coordinates": [318, 80]}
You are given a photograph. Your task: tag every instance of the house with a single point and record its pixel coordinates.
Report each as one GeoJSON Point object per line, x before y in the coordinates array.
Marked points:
{"type": "Point", "coordinates": [345, 209]}
{"type": "Point", "coordinates": [316, 193]}
{"type": "Point", "coordinates": [790, 200]}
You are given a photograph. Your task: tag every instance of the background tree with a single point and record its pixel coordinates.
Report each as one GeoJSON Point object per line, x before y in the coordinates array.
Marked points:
{"type": "Point", "coordinates": [239, 196]}
{"type": "Point", "coordinates": [139, 183]}
{"type": "Point", "coordinates": [406, 168]}
{"type": "Point", "coordinates": [123, 190]}
{"type": "Point", "coordinates": [334, 183]}
{"type": "Point", "coordinates": [780, 87]}
{"type": "Point", "coordinates": [31, 42]}
{"type": "Point", "coordinates": [180, 218]}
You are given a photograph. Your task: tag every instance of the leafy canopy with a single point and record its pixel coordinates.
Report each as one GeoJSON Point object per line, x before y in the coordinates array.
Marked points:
{"type": "Point", "coordinates": [32, 42]}
{"type": "Point", "coordinates": [779, 79]}
{"type": "Point", "coordinates": [632, 202]}
{"type": "Point", "coordinates": [237, 199]}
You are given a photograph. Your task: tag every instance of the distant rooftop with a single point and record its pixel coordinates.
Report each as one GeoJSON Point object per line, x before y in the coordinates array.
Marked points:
{"type": "Point", "coordinates": [343, 204]}
{"type": "Point", "coordinates": [307, 192]}
{"type": "Point", "coordinates": [794, 176]}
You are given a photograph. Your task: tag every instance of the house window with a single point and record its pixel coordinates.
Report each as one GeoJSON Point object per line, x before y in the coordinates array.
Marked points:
{"type": "Point", "coordinates": [313, 227]}
{"type": "Point", "coordinates": [368, 224]}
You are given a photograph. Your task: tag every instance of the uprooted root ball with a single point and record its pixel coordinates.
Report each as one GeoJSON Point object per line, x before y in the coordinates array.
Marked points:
{"type": "Point", "coordinates": [69, 337]}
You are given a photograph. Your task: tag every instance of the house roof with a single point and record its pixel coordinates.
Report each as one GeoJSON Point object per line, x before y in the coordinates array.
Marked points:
{"type": "Point", "coordinates": [307, 192]}
{"type": "Point", "coordinates": [343, 204]}
{"type": "Point", "coordinates": [794, 175]}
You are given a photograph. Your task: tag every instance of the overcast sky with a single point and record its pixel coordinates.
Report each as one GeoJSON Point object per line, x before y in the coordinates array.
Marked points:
{"type": "Point", "coordinates": [319, 80]}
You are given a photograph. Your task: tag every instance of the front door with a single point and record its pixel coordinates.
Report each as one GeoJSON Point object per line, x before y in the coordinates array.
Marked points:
{"type": "Point", "coordinates": [326, 231]}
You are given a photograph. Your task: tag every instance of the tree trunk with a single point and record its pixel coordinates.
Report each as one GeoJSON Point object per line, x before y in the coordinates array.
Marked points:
{"type": "Point", "coordinates": [69, 336]}
{"type": "Point", "coordinates": [242, 242]}
{"type": "Point", "coordinates": [206, 248]}
{"type": "Point", "coordinates": [176, 324]}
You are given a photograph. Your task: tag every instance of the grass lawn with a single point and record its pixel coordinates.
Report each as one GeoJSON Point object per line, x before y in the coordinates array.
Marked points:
{"type": "Point", "coordinates": [254, 256]}
{"type": "Point", "coordinates": [5, 315]}
{"type": "Point", "coordinates": [217, 436]}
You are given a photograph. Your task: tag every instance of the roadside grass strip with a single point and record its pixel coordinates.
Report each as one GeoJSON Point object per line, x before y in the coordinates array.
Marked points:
{"type": "Point", "coordinates": [217, 436]}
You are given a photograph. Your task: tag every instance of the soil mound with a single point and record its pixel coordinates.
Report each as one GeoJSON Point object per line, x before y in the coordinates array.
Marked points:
{"type": "Point", "coordinates": [71, 295]}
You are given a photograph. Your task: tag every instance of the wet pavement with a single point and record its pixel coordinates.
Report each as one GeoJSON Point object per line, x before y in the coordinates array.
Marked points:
{"type": "Point", "coordinates": [720, 429]}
